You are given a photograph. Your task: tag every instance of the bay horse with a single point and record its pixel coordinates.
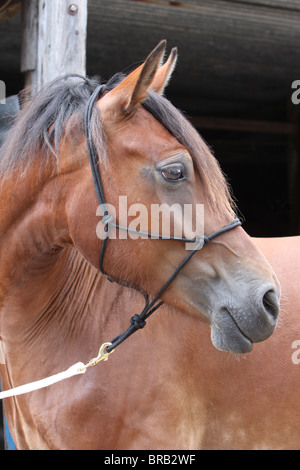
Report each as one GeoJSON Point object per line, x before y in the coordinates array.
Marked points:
{"type": "Point", "coordinates": [175, 384]}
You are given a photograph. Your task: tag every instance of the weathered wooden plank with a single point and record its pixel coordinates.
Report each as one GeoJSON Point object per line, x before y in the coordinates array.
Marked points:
{"type": "Point", "coordinates": [53, 40]}
{"type": "Point", "coordinates": [30, 12]}
{"type": "Point", "coordinates": [61, 39]}
{"type": "Point", "coordinates": [243, 54]}
{"type": "Point", "coordinates": [29, 43]}
{"type": "Point", "coordinates": [243, 125]}
{"type": "Point", "coordinates": [226, 9]}
{"type": "Point", "coordinates": [279, 4]}
{"type": "Point", "coordinates": [245, 36]}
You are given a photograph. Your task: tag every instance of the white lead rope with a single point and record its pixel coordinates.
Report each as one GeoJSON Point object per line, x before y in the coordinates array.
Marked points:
{"type": "Point", "coordinates": [75, 369]}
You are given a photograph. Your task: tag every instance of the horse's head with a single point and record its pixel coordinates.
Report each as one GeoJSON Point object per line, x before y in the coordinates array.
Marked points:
{"type": "Point", "coordinates": [163, 160]}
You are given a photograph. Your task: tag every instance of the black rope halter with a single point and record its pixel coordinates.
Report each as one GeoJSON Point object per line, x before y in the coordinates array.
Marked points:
{"type": "Point", "coordinates": [137, 321]}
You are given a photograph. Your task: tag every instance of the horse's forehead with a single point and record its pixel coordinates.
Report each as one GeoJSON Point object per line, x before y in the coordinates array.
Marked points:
{"type": "Point", "coordinates": [143, 133]}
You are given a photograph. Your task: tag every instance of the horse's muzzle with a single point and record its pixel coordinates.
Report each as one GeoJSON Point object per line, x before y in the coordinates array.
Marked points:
{"type": "Point", "coordinates": [237, 325]}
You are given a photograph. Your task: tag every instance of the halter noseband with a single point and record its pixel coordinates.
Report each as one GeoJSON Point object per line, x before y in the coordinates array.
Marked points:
{"type": "Point", "coordinates": [137, 321]}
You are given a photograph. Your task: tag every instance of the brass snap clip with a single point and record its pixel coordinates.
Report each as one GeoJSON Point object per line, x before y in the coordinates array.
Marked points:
{"type": "Point", "coordinates": [102, 356]}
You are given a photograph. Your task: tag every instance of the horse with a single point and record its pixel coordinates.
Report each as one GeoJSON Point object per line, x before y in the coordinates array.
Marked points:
{"type": "Point", "coordinates": [181, 382]}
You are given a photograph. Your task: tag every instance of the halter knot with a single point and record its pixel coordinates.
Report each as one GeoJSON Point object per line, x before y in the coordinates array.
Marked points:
{"type": "Point", "coordinates": [106, 218]}
{"type": "Point", "coordinates": [137, 322]}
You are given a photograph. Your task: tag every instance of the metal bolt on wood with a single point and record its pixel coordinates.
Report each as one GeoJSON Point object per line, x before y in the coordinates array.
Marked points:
{"type": "Point", "coordinates": [73, 9]}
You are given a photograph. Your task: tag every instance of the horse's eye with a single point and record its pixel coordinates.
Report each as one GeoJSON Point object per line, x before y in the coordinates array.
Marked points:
{"type": "Point", "coordinates": [173, 172]}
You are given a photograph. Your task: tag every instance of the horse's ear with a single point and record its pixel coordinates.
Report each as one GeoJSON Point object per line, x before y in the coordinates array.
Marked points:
{"type": "Point", "coordinates": [133, 90]}
{"type": "Point", "coordinates": [163, 75]}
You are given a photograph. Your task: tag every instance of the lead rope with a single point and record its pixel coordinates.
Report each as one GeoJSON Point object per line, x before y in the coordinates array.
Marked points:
{"type": "Point", "coordinates": [137, 321]}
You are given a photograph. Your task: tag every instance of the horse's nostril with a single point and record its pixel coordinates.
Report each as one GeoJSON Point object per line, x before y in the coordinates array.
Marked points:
{"type": "Point", "coordinates": [271, 304]}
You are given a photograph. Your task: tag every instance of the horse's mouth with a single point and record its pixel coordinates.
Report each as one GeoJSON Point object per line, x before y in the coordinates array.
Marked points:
{"type": "Point", "coordinates": [227, 335]}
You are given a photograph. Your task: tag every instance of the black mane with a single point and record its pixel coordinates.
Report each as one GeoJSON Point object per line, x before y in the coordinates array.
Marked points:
{"type": "Point", "coordinates": [41, 124]}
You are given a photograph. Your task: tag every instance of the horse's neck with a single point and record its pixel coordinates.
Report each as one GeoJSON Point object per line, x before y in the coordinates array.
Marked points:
{"type": "Point", "coordinates": [60, 314]}
{"type": "Point", "coordinates": [37, 263]}
{"type": "Point", "coordinates": [32, 225]}
{"type": "Point", "coordinates": [76, 311]}
{"type": "Point", "coordinates": [52, 301]}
